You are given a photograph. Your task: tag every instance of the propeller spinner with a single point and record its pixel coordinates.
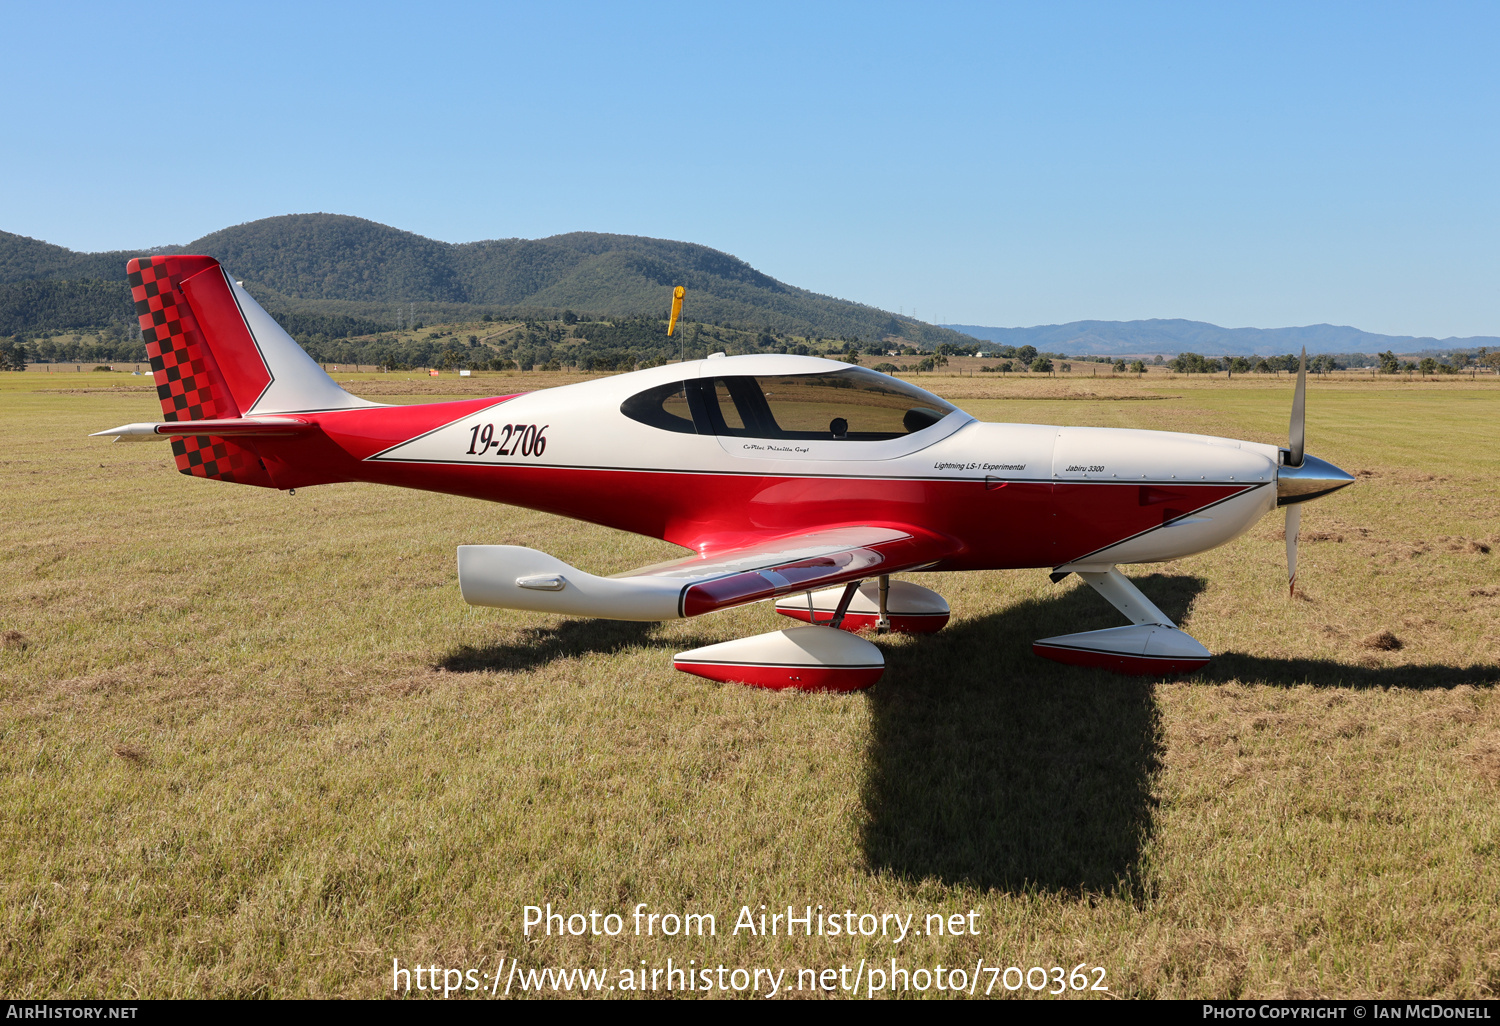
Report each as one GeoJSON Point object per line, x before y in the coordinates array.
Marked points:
{"type": "Point", "coordinates": [1302, 477]}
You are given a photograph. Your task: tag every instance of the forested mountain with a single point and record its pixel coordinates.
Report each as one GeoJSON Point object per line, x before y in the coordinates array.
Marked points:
{"type": "Point", "coordinates": [1175, 336]}
{"type": "Point", "coordinates": [38, 305]}
{"type": "Point", "coordinates": [333, 264]}
{"type": "Point", "coordinates": [23, 259]}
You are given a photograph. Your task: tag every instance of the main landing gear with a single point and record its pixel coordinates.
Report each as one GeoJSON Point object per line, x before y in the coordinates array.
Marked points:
{"type": "Point", "coordinates": [826, 655]}
{"type": "Point", "coordinates": [882, 606]}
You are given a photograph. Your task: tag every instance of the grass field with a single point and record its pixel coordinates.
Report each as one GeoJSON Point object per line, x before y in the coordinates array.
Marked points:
{"type": "Point", "coordinates": [253, 744]}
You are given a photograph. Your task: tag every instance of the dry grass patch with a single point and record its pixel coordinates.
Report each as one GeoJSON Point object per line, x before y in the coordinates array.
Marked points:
{"type": "Point", "coordinates": [257, 745]}
{"type": "Point", "coordinates": [1382, 641]}
{"type": "Point", "coordinates": [1484, 756]}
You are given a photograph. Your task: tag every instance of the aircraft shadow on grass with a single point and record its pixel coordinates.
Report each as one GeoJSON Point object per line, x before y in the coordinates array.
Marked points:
{"type": "Point", "coordinates": [1327, 673]}
{"type": "Point", "coordinates": [538, 646]}
{"type": "Point", "coordinates": [993, 768]}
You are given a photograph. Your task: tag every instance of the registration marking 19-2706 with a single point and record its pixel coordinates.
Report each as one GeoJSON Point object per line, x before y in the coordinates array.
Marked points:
{"type": "Point", "coordinates": [517, 440]}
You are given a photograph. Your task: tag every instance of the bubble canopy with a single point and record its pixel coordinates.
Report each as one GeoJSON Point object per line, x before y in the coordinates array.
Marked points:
{"type": "Point", "coordinates": [855, 405]}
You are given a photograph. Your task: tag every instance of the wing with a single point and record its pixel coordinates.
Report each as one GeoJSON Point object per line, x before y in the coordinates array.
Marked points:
{"type": "Point", "coordinates": [513, 577]}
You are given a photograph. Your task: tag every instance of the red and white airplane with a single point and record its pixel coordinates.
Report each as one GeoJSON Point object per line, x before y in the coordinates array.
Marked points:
{"type": "Point", "coordinates": [789, 478]}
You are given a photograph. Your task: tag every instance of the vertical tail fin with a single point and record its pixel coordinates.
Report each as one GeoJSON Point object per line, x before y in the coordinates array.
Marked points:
{"type": "Point", "coordinates": [216, 354]}
{"type": "Point", "coordinates": [188, 380]}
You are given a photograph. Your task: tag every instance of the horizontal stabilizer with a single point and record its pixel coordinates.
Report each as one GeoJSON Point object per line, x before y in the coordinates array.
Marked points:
{"type": "Point", "coordinates": [236, 427]}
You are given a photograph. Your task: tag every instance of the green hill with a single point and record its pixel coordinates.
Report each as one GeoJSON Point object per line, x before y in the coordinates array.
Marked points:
{"type": "Point", "coordinates": [329, 264]}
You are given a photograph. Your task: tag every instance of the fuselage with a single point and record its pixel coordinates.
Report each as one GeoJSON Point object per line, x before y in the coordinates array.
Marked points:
{"type": "Point", "coordinates": [1010, 495]}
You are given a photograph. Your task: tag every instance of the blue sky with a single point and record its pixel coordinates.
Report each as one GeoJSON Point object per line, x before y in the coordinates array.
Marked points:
{"type": "Point", "coordinates": [1252, 165]}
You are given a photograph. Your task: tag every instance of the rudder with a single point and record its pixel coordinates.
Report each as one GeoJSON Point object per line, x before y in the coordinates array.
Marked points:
{"type": "Point", "coordinates": [216, 354]}
{"type": "Point", "coordinates": [188, 380]}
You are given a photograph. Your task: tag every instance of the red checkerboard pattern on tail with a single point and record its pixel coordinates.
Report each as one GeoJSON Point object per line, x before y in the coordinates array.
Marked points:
{"type": "Point", "coordinates": [187, 381]}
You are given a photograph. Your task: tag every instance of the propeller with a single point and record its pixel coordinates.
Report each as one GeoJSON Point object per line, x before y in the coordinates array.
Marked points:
{"type": "Point", "coordinates": [1296, 444]}
{"type": "Point", "coordinates": [1302, 477]}
{"type": "Point", "coordinates": [1293, 529]}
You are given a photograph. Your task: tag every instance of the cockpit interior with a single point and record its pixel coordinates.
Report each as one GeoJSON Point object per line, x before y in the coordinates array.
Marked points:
{"type": "Point", "coordinates": [854, 405]}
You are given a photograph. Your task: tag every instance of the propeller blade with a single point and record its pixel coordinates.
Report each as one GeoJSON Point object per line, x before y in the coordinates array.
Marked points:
{"type": "Point", "coordinates": [1298, 441]}
{"type": "Point", "coordinates": [1293, 530]}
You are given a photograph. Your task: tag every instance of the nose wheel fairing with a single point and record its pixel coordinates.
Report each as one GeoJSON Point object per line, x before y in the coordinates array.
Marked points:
{"type": "Point", "coordinates": [1152, 646]}
{"type": "Point", "coordinates": [1147, 650]}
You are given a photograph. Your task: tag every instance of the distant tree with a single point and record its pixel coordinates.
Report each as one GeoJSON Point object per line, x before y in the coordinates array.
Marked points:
{"type": "Point", "coordinates": [1006, 367]}
{"type": "Point", "coordinates": [569, 317]}
{"type": "Point", "coordinates": [1066, 368]}
{"type": "Point", "coordinates": [950, 349]}
{"type": "Point", "coordinates": [1239, 365]}
{"type": "Point", "coordinates": [1041, 365]}
{"type": "Point", "coordinates": [1388, 363]}
{"type": "Point", "coordinates": [1120, 366]}
{"type": "Point", "coordinates": [1428, 366]}
{"type": "Point", "coordinates": [1138, 367]}
{"type": "Point", "coordinates": [1158, 361]}
{"type": "Point", "coordinates": [1193, 363]}
{"type": "Point", "coordinates": [1026, 354]}
{"type": "Point", "coordinates": [14, 354]}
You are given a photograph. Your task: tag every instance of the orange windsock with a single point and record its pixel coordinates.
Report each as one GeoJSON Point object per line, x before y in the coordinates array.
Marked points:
{"type": "Point", "coordinates": [677, 295]}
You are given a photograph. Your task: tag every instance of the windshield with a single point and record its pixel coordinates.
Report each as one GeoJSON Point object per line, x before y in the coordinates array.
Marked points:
{"type": "Point", "coordinates": [852, 405]}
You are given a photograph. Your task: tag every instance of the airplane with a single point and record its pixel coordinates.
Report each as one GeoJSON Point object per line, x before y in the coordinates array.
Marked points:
{"type": "Point", "coordinates": [807, 482]}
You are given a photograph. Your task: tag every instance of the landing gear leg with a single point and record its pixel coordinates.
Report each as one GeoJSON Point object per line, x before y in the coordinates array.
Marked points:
{"type": "Point", "coordinates": [843, 607]}
{"type": "Point", "coordinates": [883, 625]}
{"type": "Point", "coordinates": [1119, 592]}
